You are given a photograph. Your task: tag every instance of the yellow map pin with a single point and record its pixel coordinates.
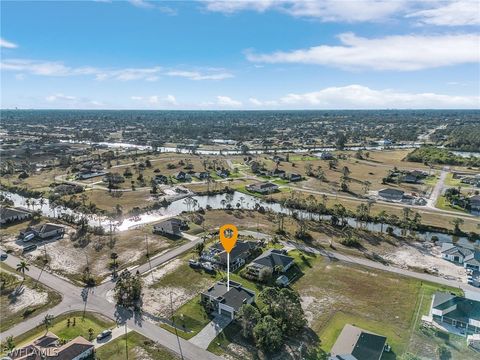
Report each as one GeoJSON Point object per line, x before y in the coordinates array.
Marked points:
{"type": "Point", "coordinates": [228, 243]}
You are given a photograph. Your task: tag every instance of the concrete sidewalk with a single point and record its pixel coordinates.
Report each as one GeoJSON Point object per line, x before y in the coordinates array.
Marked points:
{"type": "Point", "coordinates": [116, 333]}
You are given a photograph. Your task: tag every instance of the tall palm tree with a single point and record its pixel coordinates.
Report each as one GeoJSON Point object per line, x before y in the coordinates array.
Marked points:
{"type": "Point", "coordinates": [22, 266]}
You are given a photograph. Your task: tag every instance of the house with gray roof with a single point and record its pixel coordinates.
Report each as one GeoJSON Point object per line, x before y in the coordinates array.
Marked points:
{"type": "Point", "coordinates": [457, 311]}
{"type": "Point", "coordinates": [354, 343]}
{"type": "Point", "coordinates": [170, 227]}
{"type": "Point", "coordinates": [11, 214]}
{"type": "Point", "coordinates": [391, 194]}
{"type": "Point", "coordinates": [275, 260]}
{"type": "Point", "coordinates": [466, 255]}
{"type": "Point", "coordinates": [224, 301]}
{"type": "Point", "coordinates": [242, 251]}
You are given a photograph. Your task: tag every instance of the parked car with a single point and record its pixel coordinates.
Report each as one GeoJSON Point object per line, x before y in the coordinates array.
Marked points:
{"type": "Point", "coordinates": [194, 263]}
{"type": "Point", "coordinates": [104, 334]}
{"type": "Point", "coordinates": [29, 248]}
{"type": "Point", "coordinates": [3, 256]}
{"type": "Point", "coordinates": [29, 237]}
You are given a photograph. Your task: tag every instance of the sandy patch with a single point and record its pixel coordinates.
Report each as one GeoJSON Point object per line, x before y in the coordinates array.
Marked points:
{"type": "Point", "coordinates": [157, 301]}
{"type": "Point", "coordinates": [428, 257]}
{"type": "Point", "coordinates": [160, 272]}
{"type": "Point", "coordinates": [315, 306]}
{"type": "Point", "coordinates": [23, 297]}
{"type": "Point", "coordinates": [141, 354]}
{"type": "Point", "coordinates": [64, 257]}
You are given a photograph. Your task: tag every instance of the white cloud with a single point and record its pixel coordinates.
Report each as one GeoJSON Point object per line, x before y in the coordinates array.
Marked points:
{"type": "Point", "coordinates": [7, 44]}
{"type": "Point", "coordinates": [362, 97]}
{"type": "Point", "coordinates": [60, 97]}
{"type": "Point", "coordinates": [57, 68]}
{"type": "Point", "coordinates": [255, 101]}
{"type": "Point", "coordinates": [195, 75]}
{"type": "Point", "coordinates": [325, 10]}
{"type": "Point", "coordinates": [141, 4]}
{"type": "Point", "coordinates": [170, 99]}
{"type": "Point", "coordinates": [456, 13]}
{"type": "Point", "coordinates": [397, 52]}
{"type": "Point", "coordinates": [155, 100]}
{"type": "Point", "coordinates": [225, 101]}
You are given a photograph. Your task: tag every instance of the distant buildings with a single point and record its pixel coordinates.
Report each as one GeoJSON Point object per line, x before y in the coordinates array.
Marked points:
{"type": "Point", "coordinates": [263, 188]}
{"type": "Point", "coordinates": [226, 302]}
{"type": "Point", "coordinates": [354, 343]}
{"type": "Point", "coordinates": [11, 215]}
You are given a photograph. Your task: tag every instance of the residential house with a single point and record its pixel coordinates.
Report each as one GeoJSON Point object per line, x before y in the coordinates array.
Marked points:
{"type": "Point", "coordinates": [170, 227]}
{"type": "Point", "coordinates": [183, 176]}
{"type": "Point", "coordinates": [466, 255]}
{"type": "Point", "coordinates": [160, 179]}
{"type": "Point", "coordinates": [355, 343]}
{"type": "Point", "coordinates": [263, 188]}
{"type": "Point", "coordinates": [238, 256]}
{"type": "Point", "coordinates": [474, 202]}
{"type": "Point", "coordinates": [391, 194]}
{"type": "Point", "coordinates": [84, 175]}
{"type": "Point", "coordinates": [277, 173]}
{"type": "Point", "coordinates": [326, 155]}
{"type": "Point", "coordinates": [457, 311]}
{"type": "Point", "coordinates": [48, 347]}
{"type": "Point", "coordinates": [221, 300]}
{"type": "Point", "coordinates": [223, 173]}
{"type": "Point", "coordinates": [293, 177]}
{"type": "Point", "coordinates": [275, 260]}
{"type": "Point", "coordinates": [10, 215]}
{"type": "Point", "coordinates": [44, 231]}
{"type": "Point", "coordinates": [202, 175]}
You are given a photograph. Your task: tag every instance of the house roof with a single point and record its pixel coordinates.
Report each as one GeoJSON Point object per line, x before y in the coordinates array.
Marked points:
{"type": "Point", "coordinates": [391, 191]}
{"type": "Point", "coordinates": [6, 212]}
{"type": "Point", "coordinates": [73, 348]}
{"type": "Point", "coordinates": [240, 248]}
{"type": "Point", "coordinates": [358, 344]}
{"type": "Point", "coordinates": [235, 297]}
{"type": "Point", "coordinates": [451, 249]}
{"type": "Point", "coordinates": [473, 258]}
{"type": "Point", "coordinates": [272, 258]}
{"type": "Point", "coordinates": [49, 227]}
{"type": "Point", "coordinates": [465, 308]}
{"type": "Point", "coordinates": [170, 225]}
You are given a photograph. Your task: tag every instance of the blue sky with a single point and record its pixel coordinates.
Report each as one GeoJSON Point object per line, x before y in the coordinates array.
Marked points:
{"type": "Point", "coordinates": [272, 54]}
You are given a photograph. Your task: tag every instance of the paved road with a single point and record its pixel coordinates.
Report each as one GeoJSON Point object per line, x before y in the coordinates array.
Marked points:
{"type": "Point", "coordinates": [116, 333]}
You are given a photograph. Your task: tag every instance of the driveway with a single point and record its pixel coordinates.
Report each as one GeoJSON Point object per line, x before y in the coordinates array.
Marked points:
{"type": "Point", "coordinates": [210, 331]}
{"type": "Point", "coordinates": [116, 333]}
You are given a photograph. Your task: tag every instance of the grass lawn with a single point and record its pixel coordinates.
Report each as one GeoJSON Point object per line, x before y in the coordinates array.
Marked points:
{"type": "Point", "coordinates": [60, 327]}
{"type": "Point", "coordinates": [450, 181]}
{"type": "Point", "coordinates": [139, 347]}
{"type": "Point", "coordinates": [442, 203]}
{"type": "Point", "coordinates": [7, 297]}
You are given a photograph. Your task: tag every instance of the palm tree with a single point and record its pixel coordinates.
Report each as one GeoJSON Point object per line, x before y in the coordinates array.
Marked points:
{"type": "Point", "coordinates": [22, 266]}
{"type": "Point", "coordinates": [114, 257]}
{"type": "Point", "coordinates": [382, 216]}
{"type": "Point", "coordinates": [456, 223]}
{"type": "Point", "coordinates": [47, 321]}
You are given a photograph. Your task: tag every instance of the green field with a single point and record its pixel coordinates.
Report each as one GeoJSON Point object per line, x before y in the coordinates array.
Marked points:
{"type": "Point", "coordinates": [61, 328]}
{"type": "Point", "coordinates": [139, 347]}
{"type": "Point", "coordinates": [335, 294]}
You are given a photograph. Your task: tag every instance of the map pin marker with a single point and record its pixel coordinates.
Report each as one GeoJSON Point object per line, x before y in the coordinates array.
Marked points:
{"type": "Point", "coordinates": [228, 243]}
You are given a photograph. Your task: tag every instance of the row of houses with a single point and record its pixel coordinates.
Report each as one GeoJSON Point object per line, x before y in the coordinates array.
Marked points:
{"type": "Point", "coordinates": [468, 179]}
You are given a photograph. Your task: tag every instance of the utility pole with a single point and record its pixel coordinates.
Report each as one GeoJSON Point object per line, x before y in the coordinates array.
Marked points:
{"type": "Point", "coordinates": [126, 340]}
